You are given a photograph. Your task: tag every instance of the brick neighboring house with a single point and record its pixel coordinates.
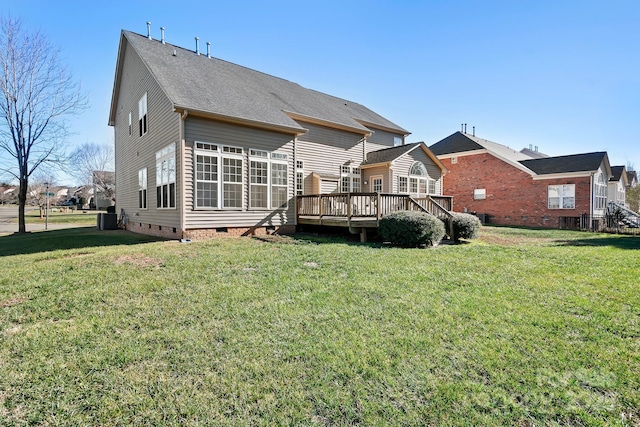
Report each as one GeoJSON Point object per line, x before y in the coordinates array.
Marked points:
{"type": "Point", "coordinates": [513, 188]}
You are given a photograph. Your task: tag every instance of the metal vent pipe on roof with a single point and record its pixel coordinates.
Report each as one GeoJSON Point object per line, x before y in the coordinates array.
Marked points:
{"type": "Point", "coordinates": [474, 131]}
{"type": "Point", "coordinates": [208, 50]}
{"type": "Point", "coordinates": [465, 128]}
{"type": "Point", "coordinates": [149, 30]}
{"type": "Point", "coordinates": [197, 45]}
{"type": "Point", "coordinates": [461, 127]}
{"type": "Point", "coordinates": [162, 34]}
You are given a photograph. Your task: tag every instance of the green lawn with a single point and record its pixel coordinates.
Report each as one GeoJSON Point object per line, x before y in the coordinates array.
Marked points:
{"type": "Point", "coordinates": [521, 327]}
{"type": "Point", "coordinates": [81, 217]}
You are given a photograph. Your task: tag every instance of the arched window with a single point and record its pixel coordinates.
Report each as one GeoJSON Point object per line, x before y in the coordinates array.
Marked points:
{"type": "Point", "coordinates": [420, 184]}
{"type": "Point", "coordinates": [418, 169]}
{"type": "Point", "coordinates": [600, 192]}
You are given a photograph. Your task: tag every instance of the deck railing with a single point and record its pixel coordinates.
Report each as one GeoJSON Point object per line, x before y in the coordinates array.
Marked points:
{"type": "Point", "coordinates": [369, 205]}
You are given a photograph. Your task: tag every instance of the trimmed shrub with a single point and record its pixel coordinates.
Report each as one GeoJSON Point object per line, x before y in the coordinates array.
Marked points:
{"type": "Point", "coordinates": [465, 226]}
{"type": "Point", "coordinates": [408, 228]}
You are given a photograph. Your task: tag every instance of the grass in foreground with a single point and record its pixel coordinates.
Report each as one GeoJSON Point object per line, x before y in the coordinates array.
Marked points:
{"type": "Point", "coordinates": [519, 328]}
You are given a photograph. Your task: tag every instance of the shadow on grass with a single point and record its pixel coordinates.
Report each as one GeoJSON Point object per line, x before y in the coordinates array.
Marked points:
{"type": "Point", "coordinates": [68, 238]}
{"type": "Point", "coordinates": [617, 241]}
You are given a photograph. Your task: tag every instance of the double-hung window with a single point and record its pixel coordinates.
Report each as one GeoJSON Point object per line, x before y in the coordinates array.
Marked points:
{"type": "Point", "coordinates": [142, 188]}
{"type": "Point", "coordinates": [350, 178]}
{"type": "Point", "coordinates": [268, 179]}
{"type": "Point", "coordinates": [219, 174]}
{"type": "Point", "coordinates": [142, 114]}
{"type": "Point", "coordinates": [562, 196]}
{"type": "Point", "coordinates": [402, 184]}
{"type": "Point", "coordinates": [166, 177]}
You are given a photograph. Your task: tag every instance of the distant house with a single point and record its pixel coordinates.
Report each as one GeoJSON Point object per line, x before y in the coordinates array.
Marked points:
{"type": "Point", "coordinates": [8, 195]}
{"type": "Point", "coordinates": [632, 179]}
{"type": "Point", "coordinates": [102, 194]}
{"type": "Point", "coordinates": [617, 186]}
{"type": "Point", "coordinates": [510, 187]}
{"type": "Point", "coordinates": [204, 147]}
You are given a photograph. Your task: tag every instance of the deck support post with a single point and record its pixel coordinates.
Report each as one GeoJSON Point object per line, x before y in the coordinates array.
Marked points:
{"type": "Point", "coordinates": [363, 235]}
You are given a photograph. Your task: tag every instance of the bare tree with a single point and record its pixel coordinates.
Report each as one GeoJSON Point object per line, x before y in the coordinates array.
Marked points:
{"type": "Point", "coordinates": [96, 163]}
{"type": "Point", "coordinates": [36, 94]}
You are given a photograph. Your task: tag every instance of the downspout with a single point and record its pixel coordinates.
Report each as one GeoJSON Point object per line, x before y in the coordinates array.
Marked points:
{"type": "Point", "coordinates": [183, 145]}
{"type": "Point", "coordinates": [295, 180]}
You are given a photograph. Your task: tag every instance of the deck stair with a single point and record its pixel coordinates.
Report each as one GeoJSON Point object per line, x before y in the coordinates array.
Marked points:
{"type": "Point", "coordinates": [629, 218]}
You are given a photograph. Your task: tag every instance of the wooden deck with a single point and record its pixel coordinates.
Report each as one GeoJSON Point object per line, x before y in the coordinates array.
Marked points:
{"type": "Point", "coordinates": [359, 211]}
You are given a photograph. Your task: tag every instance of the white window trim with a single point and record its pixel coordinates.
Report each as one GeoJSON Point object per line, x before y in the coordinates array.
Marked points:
{"type": "Point", "coordinates": [271, 158]}
{"type": "Point", "coordinates": [406, 185]}
{"type": "Point", "coordinates": [143, 115]}
{"type": "Point", "coordinates": [421, 181]}
{"type": "Point", "coordinates": [167, 154]}
{"type": "Point", "coordinates": [219, 152]}
{"type": "Point", "coordinates": [352, 175]}
{"type": "Point", "coordinates": [300, 174]}
{"type": "Point", "coordinates": [600, 189]}
{"type": "Point", "coordinates": [143, 192]}
{"type": "Point", "coordinates": [373, 185]}
{"type": "Point", "coordinates": [479, 194]}
{"type": "Point", "coordinates": [563, 193]}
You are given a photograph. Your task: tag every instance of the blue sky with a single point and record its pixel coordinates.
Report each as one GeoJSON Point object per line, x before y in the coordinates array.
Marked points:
{"type": "Point", "coordinates": [560, 75]}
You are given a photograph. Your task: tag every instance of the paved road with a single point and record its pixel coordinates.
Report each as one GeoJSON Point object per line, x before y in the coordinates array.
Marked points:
{"type": "Point", "coordinates": [9, 213]}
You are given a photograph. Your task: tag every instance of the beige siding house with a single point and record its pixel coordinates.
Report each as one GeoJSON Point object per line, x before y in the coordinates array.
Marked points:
{"type": "Point", "coordinates": [204, 146]}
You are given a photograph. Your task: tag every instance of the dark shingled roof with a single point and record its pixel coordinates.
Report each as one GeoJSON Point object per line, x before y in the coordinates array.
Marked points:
{"type": "Point", "coordinates": [210, 85]}
{"type": "Point", "coordinates": [616, 173]}
{"type": "Point", "coordinates": [389, 154]}
{"type": "Point", "coordinates": [455, 143]}
{"type": "Point", "coordinates": [563, 164]}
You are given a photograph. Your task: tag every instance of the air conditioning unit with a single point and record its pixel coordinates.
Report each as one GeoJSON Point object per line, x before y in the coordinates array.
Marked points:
{"type": "Point", "coordinates": [107, 221]}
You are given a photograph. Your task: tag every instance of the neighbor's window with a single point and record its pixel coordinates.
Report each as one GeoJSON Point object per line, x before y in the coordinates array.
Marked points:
{"type": "Point", "coordinates": [600, 191]}
{"type": "Point", "coordinates": [397, 140]}
{"type": "Point", "coordinates": [562, 196]}
{"type": "Point", "coordinates": [142, 114]}
{"type": "Point", "coordinates": [166, 177]}
{"type": "Point", "coordinates": [130, 123]}
{"type": "Point", "coordinates": [479, 194]}
{"type": "Point", "coordinates": [142, 188]}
